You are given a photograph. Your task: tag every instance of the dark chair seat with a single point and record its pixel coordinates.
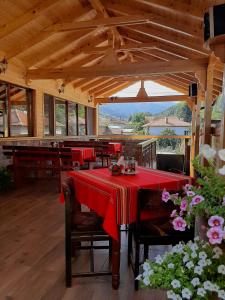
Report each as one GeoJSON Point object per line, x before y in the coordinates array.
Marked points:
{"type": "Point", "coordinates": [153, 227]}
{"type": "Point", "coordinates": [87, 221]}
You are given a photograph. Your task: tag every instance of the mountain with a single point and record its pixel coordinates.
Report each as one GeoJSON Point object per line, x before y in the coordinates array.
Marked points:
{"type": "Point", "coordinates": [181, 110]}
{"type": "Point", "coordinates": [124, 110]}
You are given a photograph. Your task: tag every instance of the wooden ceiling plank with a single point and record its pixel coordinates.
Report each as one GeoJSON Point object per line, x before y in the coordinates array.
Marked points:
{"type": "Point", "coordinates": [70, 55]}
{"type": "Point", "coordinates": [102, 86]}
{"type": "Point", "coordinates": [163, 46]}
{"type": "Point", "coordinates": [36, 58]}
{"type": "Point", "coordinates": [143, 69]}
{"type": "Point", "coordinates": [192, 28]}
{"type": "Point", "coordinates": [19, 48]}
{"type": "Point", "coordinates": [94, 83]}
{"type": "Point", "coordinates": [165, 37]}
{"type": "Point", "coordinates": [169, 84]}
{"type": "Point", "coordinates": [107, 89]}
{"type": "Point", "coordinates": [192, 10]}
{"type": "Point", "coordinates": [27, 17]}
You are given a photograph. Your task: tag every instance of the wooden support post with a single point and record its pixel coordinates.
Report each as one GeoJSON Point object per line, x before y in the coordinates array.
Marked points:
{"type": "Point", "coordinates": [193, 137]}
{"type": "Point", "coordinates": [197, 121]}
{"type": "Point", "coordinates": [208, 104]}
{"type": "Point", "coordinates": [97, 120]}
{"type": "Point", "coordinates": [222, 129]}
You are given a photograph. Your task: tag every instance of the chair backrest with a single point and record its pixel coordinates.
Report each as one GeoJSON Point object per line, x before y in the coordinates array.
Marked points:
{"type": "Point", "coordinates": [149, 199]}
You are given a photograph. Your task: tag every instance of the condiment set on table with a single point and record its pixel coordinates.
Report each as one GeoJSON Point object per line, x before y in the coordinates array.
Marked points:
{"type": "Point", "coordinates": [123, 166]}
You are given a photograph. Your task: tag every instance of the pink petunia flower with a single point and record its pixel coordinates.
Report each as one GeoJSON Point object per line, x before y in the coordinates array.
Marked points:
{"type": "Point", "coordinates": [197, 199]}
{"type": "Point", "coordinates": [165, 196]}
{"type": "Point", "coordinates": [215, 235]}
{"type": "Point", "coordinates": [187, 187]}
{"type": "Point", "coordinates": [183, 205]}
{"type": "Point", "coordinates": [215, 221]}
{"type": "Point", "coordinates": [173, 213]}
{"type": "Point", "coordinates": [179, 224]}
{"type": "Point", "coordinates": [190, 193]}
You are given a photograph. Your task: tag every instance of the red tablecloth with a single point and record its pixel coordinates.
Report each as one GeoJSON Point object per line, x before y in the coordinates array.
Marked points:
{"type": "Point", "coordinates": [82, 154]}
{"type": "Point", "coordinates": [114, 148]}
{"type": "Point", "coordinates": [115, 197]}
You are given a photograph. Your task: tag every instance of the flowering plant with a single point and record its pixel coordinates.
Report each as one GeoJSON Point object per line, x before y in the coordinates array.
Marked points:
{"type": "Point", "coordinates": [206, 198]}
{"type": "Point", "coordinates": [194, 270]}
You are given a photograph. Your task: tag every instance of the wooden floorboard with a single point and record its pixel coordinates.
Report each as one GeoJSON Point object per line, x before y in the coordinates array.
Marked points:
{"type": "Point", "coordinates": [32, 253]}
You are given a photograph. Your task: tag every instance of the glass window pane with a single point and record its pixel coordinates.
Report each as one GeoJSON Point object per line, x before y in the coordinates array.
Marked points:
{"type": "Point", "coordinates": [47, 114]}
{"type": "Point", "coordinates": [72, 118]}
{"type": "Point", "coordinates": [81, 120]}
{"type": "Point", "coordinates": [60, 117]}
{"type": "Point", "coordinates": [18, 111]}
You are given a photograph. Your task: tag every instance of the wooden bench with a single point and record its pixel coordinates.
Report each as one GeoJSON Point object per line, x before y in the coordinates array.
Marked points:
{"type": "Point", "coordinates": [39, 162]}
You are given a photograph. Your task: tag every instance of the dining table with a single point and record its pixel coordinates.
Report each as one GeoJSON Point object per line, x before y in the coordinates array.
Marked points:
{"type": "Point", "coordinates": [115, 199]}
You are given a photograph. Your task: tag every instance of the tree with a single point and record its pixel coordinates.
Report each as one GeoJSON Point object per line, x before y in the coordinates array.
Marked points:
{"type": "Point", "coordinates": [138, 120]}
{"type": "Point", "coordinates": [171, 142]}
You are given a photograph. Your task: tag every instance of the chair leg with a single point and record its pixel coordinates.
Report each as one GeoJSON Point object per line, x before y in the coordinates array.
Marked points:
{"type": "Point", "coordinates": [68, 261]}
{"type": "Point", "coordinates": [136, 264]}
{"type": "Point", "coordinates": [129, 244]}
{"type": "Point", "coordinates": [92, 264]}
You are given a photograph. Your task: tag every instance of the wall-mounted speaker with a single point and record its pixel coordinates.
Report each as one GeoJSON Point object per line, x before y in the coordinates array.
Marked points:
{"type": "Point", "coordinates": [193, 89]}
{"type": "Point", "coordinates": [214, 22]}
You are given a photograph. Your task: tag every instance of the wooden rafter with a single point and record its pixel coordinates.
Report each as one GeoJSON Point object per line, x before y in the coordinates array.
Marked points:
{"type": "Point", "coordinates": [106, 22]}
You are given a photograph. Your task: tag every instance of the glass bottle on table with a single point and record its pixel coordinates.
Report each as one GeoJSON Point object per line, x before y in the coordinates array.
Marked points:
{"type": "Point", "coordinates": [121, 163]}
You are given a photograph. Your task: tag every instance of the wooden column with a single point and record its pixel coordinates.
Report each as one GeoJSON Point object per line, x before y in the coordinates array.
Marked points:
{"type": "Point", "coordinates": [39, 113]}
{"type": "Point", "coordinates": [197, 121]}
{"type": "Point", "coordinates": [222, 128]}
{"type": "Point", "coordinates": [193, 137]}
{"type": "Point", "coordinates": [208, 104]}
{"type": "Point", "coordinates": [195, 129]}
{"type": "Point", "coordinates": [97, 120]}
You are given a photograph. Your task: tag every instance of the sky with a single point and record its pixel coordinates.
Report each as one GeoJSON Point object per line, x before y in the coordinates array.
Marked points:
{"type": "Point", "coordinates": [152, 89]}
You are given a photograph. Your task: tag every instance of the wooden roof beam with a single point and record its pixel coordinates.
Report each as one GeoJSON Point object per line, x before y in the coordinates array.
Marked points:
{"type": "Point", "coordinates": [105, 22]}
{"type": "Point", "coordinates": [97, 5]}
{"type": "Point", "coordinates": [141, 99]}
{"type": "Point", "coordinates": [122, 48]}
{"type": "Point", "coordinates": [107, 89]}
{"type": "Point", "coordinates": [165, 82]}
{"type": "Point", "coordinates": [137, 69]}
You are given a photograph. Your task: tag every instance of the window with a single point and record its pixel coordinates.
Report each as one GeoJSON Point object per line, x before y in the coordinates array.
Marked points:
{"type": "Point", "coordinates": [82, 116]}
{"type": "Point", "coordinates": [16, 110]}
{"type": "Point", "coordinates": [64, 117]}
{"type": "Point", "coordinates": [72, 119]}
{"type": "Point", "coordinates": [60, 117]}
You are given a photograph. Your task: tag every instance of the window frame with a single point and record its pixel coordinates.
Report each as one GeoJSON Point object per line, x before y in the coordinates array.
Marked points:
{"type": "Point", "coordinates": [30, 110]}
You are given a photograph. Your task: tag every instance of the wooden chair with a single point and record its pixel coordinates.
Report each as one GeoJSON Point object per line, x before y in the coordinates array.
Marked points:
{"type": "Point", "coordinates": [153, 227]}
{"type": "Point", "coordinates": [81, 227]}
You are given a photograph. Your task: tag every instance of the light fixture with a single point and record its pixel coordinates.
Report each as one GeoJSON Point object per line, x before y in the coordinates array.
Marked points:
{"type": "Point", "coordinates": [90, 98]}
{"type": "Point", "coordinates": [61, 88]}
{"type": "Point", "coordinates": [3, 65]}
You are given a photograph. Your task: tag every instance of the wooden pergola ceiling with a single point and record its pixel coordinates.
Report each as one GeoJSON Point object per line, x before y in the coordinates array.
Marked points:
{"type": "Point", "coordinates": [102, 46]}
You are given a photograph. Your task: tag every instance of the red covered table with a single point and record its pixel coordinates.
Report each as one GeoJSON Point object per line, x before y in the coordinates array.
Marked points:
{"type": "Point", "coordinates": [82, 154]}
{"type": "Point", "coordinates": [115, 198]}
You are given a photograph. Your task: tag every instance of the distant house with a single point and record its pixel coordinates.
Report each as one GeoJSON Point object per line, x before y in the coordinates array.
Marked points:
{"type": "Point", "coordinates": [156, 125]}
{"type": "Point", "coordinates": [18, 122]}
{"type": "Point", "coordinates": [110, 126]}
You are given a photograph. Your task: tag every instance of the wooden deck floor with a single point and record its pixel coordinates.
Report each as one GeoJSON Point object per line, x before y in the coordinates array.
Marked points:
{"type": "Point", "coordinates": [32, 253]}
